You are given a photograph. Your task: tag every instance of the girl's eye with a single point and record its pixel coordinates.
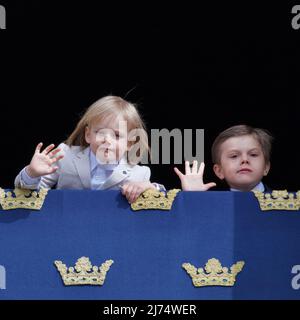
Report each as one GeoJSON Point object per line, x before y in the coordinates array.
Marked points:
{"type": "Point", "coordinates": [254, 154]}
{"type": "Point", "coordinates": [233, 156]}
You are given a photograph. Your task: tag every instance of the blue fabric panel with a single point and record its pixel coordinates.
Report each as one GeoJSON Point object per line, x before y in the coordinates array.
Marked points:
{"type": "Point", "coordinates": [149, 247]}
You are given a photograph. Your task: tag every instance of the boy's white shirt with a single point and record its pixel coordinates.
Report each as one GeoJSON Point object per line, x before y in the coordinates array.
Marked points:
{"type": "Point", "coordinates": [259, 187]}
{"type": "Point", "coordinates": [74, 172]}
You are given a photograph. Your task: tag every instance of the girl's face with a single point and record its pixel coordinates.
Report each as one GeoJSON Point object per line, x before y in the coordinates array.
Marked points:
{"type": "Point", "coordinates": [108, 138]}
{"type": "Point", "coordinates": [242, 163]}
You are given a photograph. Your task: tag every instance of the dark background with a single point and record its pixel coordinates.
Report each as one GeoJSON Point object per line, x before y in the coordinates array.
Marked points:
{"type": "Point", "coordinates": [206, 66]}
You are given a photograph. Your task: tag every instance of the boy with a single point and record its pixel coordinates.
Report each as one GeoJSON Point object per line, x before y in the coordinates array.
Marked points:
{"type": "Point", "coordinates": [241, 156]}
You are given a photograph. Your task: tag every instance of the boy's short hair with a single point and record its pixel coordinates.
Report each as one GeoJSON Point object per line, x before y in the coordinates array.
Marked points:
{"type": "Point", "coordinates": [261, 135]}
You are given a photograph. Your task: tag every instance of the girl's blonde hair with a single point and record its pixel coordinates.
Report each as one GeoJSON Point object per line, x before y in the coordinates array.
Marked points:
{"type": "Point", "coordinates": [107, 106]}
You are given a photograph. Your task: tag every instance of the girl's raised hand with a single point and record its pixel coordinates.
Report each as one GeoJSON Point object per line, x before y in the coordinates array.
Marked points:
{"type": "Point", "coordinates": [42, 162]}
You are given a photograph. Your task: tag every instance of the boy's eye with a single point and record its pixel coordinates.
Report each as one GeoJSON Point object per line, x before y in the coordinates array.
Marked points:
{"type": "Point", "coordinates": [232, 156]}
{"type": "Point", "coordinates": [254, 154]}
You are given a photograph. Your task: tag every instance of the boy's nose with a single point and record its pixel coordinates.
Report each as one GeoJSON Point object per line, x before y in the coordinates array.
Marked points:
{"type": "Point", "coordinates": [245, 159]}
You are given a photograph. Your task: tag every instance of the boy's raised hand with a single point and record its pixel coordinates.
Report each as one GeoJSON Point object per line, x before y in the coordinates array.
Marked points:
{"type": "Point", "coordinates": [192, 180]}
{"type": "Point", "coordinates": [41, 162]}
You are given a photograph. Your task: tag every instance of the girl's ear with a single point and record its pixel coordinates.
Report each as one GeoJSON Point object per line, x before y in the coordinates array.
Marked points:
{"type": "Point", "coordinates": [129, 145]}
{"type": "Point", "coordinates": [219, 171]}
{"type": "Point", "coordinates": [131, 140]}
{"type": "Point", "coordinates": [87, 134]}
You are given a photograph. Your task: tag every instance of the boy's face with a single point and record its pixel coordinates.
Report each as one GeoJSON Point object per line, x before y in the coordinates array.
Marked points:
{"type": "Point", "coordinates": [242, 163]}
{"type": "Point", "coordinates": [108, 139]}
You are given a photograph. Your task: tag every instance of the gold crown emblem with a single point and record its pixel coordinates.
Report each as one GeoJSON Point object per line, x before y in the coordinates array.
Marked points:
{"type": "Point", "coordinates": [213, 274]}
{"type": "Point", "coordinates": [154, 199]}
{"type": "Point", "coordinates": [22, 199]}
{"type": "Point", "coordinates": [278, 200]}
{"type": "Point", "coordinates": [84, 273]}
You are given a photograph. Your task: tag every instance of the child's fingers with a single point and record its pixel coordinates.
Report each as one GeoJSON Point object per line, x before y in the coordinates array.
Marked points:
{"type": "Point", "coordinates": [38, 147]}
{"type": "Point", "coordinates": [55, 159]}
{"type": "Point", "coordinates": [48, 149]}
{"type": "Point", "coordinates": [209, 185]}
{"type": "Point", "coordinates": [133, 195]}
{"type": "Point", "coordinates": [201, 168]}
{"type": "Point", "coordinates": [55, 151]}
{"type": "Point", "coordinates": [178, 172]}
{"type": "Point", "coordinates": [59, 157]}
{"type": "Point", "coordinates": [137, 194]}
{"type": "Point", "coordinates": [187, 167]}
{"type": "Point", "coordinates": [131, 191]}
{"type": "Point", "coordinates": [194, 168]}
{"type": "Point", "coordinates": [128, 191]}
{"type": "Point", "coordinates": [130, 197]}
{"type": "Point", "coordinates": [53, 169]}
{"type": "Point", "coordinates": [124, 189]}
{"type": "Point", "coordinates": [133, 198]}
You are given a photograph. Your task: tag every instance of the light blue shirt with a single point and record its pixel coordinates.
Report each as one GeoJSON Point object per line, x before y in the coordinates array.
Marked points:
{"type": "Point", "coordinates": [99, 173]}
{"type": "Point", "coordinates": [259, 187]}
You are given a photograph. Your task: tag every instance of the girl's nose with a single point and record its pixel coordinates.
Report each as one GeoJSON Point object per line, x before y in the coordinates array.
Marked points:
{"type": "Point", "coordinates": [107, 138]}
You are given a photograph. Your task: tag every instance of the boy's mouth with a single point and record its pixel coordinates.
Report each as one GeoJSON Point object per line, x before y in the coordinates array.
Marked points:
{"type": "Point", "coordinates": [244, 170]}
